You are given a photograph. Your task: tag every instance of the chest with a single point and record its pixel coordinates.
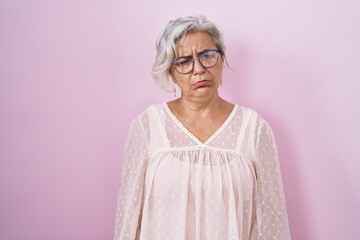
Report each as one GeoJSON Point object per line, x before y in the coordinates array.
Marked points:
{"type": "Point", "coordinates": [204, 128]}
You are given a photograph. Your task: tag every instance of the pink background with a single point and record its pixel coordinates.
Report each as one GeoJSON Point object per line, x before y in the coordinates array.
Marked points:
{"type": "Point", "coordinates": [74, 73]}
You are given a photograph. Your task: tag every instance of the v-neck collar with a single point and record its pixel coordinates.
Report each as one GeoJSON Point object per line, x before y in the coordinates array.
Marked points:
{"type": "Point", "coordinates": [192, 136]}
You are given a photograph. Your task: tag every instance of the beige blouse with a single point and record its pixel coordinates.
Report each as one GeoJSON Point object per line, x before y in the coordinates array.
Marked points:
{"type": "Point", "coordinates": [176, 187]}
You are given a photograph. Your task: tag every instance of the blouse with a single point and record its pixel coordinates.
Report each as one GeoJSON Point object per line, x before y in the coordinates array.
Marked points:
{"type": "Point", "coordinates": [176, 187]}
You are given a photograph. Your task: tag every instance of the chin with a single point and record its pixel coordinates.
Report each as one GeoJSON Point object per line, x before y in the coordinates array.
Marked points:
{"type": "Point", "coordinates": [203, 92]}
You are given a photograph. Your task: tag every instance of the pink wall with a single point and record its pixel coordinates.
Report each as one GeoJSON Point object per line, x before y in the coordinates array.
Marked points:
{"type": "Point", "coordinates": [74, 73]}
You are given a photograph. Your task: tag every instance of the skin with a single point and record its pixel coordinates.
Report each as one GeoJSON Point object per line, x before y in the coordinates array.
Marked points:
{"type": "Point", "coordinates": [200, 108]}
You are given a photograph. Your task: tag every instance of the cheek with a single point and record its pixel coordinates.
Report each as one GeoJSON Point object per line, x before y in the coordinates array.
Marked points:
{"type": "Point", "coordinates": [179, 78]}
{"type": "Point", "coordinates": [218, 72]}
{"type": "Point", "coordinates": [175, 76]}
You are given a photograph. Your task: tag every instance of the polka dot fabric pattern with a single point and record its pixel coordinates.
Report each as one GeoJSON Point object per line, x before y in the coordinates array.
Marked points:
{"type": "Point", "coordinates": [228, 136]}
{"type": "Point", "coordinates": [176, 135]}
{"type": "Point", "coordinates": [130, 197]}
{"type": "Point", "coordinates": [177, 187]}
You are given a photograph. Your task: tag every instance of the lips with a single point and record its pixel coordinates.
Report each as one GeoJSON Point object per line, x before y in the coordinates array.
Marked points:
{"type": "Point", "coordinates": [202, 83]}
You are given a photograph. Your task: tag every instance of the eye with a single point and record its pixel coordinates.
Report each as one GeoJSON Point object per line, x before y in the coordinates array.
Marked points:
{"type": "Point", "coordinates": [183, 61]}
{"type": "Point", "coordinates": [207, 55]}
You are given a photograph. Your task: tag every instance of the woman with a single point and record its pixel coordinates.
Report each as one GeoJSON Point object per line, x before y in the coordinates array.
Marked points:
{"type": "Point", "coordinates": [199, 167]}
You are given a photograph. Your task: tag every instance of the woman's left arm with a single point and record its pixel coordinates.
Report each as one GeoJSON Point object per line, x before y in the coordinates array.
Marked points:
{"type": "Point", "coordinates": [271, 216]}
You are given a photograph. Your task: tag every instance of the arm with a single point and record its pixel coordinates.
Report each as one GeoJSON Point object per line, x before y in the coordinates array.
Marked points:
{"type": "Point", "coordinates": [271, 218]}
{"type": "Point", "coordinates": [129, 202]}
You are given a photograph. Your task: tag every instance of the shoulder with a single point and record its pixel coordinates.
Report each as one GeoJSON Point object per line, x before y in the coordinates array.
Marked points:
{"type": "Point", "coordinates": [150, 113]}
{"type": "Point", "coordinates": [255, 124]}
{"type": "Point", "coordinates": [254, 127]}
{"type": "Point", "coordinates": [252, 118]}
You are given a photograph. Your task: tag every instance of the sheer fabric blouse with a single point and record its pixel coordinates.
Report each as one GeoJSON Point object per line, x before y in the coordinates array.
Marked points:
{"type": "Point", "coordinates": [176, 187]}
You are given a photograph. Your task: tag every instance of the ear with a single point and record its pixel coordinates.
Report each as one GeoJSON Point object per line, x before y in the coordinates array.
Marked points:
{"type": "Point", "coordinates": [171, 74]}
{"type": "Point", "coordinates": [222, 61]}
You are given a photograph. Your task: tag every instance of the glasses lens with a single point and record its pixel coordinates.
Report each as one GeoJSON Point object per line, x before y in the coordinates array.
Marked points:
{"type": "Point", "coordinates": [208, 58]}
{"type": "Point", "coordinates": [184, 65]}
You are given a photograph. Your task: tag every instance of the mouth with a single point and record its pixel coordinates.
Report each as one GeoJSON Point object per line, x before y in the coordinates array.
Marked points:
{"type": "Point", "coordinates": [202, 83]}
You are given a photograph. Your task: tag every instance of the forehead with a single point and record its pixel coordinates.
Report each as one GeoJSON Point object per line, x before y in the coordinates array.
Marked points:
{"type": "Point", "coordinates": [194, 41]}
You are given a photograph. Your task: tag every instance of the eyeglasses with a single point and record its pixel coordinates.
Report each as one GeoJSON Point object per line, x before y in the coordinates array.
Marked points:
{"type": "Point", "coordinates": [207, 59]}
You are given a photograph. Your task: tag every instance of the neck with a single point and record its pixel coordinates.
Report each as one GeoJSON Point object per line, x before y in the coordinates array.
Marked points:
{"type": "Point", "coordinates": [200, 105]}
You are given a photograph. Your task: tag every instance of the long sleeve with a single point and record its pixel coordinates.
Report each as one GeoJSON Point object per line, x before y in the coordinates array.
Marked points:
{"type": "Point", "coordinates": [128, 212]}
{"type": "Point", "coordinates": [271, 220]}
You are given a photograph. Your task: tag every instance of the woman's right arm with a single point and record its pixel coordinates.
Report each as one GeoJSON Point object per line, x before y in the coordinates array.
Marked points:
{"type": "Point", "coordinates": [128, 211]}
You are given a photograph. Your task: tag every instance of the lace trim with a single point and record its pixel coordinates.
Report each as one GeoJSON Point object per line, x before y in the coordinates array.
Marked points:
{"type": "Point", "coordinates": [192, 136]}
{"type": "Point", "coordinates": [197, 148]}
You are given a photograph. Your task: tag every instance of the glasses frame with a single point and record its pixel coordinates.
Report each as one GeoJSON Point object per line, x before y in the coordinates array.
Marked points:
{"type": "Point", "coordinates": [193, 60]}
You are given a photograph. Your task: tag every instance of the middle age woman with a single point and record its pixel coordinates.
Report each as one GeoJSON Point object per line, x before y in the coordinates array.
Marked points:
{"type": "Point", "coordinates": [199, 167]}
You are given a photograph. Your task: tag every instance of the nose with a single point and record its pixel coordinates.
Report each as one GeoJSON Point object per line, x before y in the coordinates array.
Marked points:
{"type": "Point", "coordinates": [198, 68]}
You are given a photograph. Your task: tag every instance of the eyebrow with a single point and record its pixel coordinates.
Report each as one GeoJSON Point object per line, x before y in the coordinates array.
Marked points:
{"type": "Point", "coordinates": [190, 56]}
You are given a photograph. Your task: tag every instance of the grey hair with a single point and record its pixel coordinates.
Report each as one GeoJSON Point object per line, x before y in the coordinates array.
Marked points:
{"type": "Point", "coordinates": [173, 32]}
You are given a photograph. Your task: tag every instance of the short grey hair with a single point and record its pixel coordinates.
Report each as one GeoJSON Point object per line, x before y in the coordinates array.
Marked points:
{"type": "Point", "coordinates": [173, 32]}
